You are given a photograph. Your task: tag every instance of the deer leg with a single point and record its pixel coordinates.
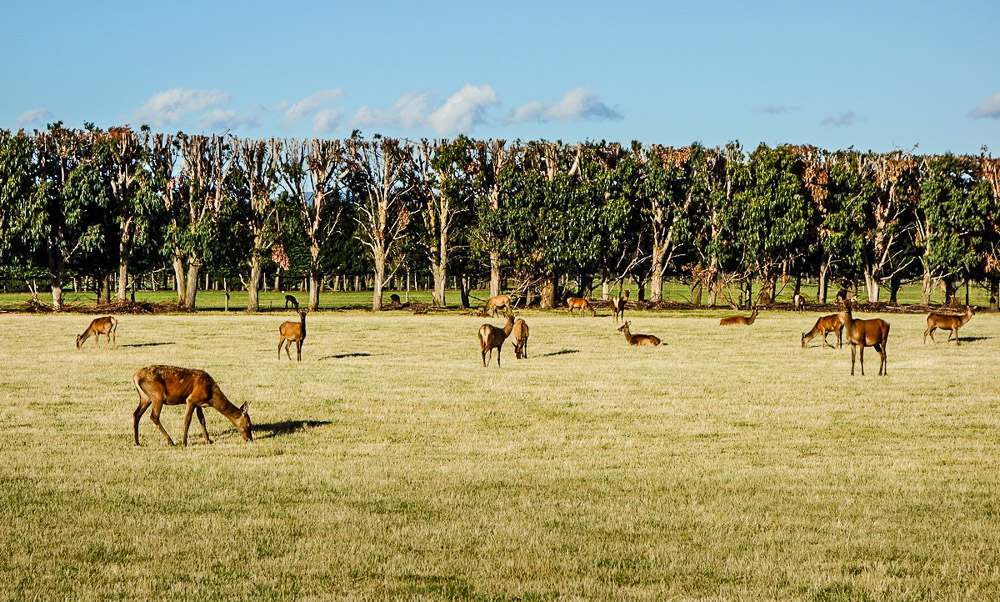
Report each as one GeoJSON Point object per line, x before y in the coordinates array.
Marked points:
{"type": "Point", "coordinates": [144, 404]}
{"type": "Point", "coordinates": [288, 344]}
{"type": "Point", "coordinates": [298, 350]}
{"type": "Point", "coordinates": [498, 356]}
{"type": "Point", "coordinates": [114, 342]}
{"type": "Point", "coordinates": [862, 360]}
{"type": "Point", "coordinates": [154, 415]}
{"type": "Point", "coordinates": [955, 332]}
{"type": "Point", "coordinates": [187, 420]}
{"type": "Point", "coordinates": [932, 335]}
{"type": "Point", "coordinates": [853, 352]}
{"type": "Point", "coordinates": [204, 427]}
{"type": "Point", "coordinates": [279, 348]}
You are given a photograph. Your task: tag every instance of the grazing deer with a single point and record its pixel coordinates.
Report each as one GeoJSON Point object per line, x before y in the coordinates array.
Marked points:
{"type": "Point", "coordinates": [291, 299]}
{"type": "Point", "coordinates": [824, 326]}
{"type": "Point", "coordinates": [520, 339]}
{"type": "Point", "coordinates": [106, 326]}
{"type": "Point", "coordinates": [743, 320]}
{"type": "Point", "coordinates": [799, 302]}
{"type": "Point", "coordinates": [866, 333]}
{"type": "Point", "coordinates": [293, 332]}
{"type": "Point", "coordinates": [491, 337]}
{"type": "Point", "coordinates": [947, 322]}
{"type": "Point", "coordinates": [579, 303]}
{"type": "Point", "coordinates": [495, 303]}
{"type": "Point", "coordinates": [618, 306]}
{"type": "Point", "coordinates": [638, 339]}
{"type": "Point", "coordinates": [395, 300]}
{"type": "Point", "coordinates": [169, 385]}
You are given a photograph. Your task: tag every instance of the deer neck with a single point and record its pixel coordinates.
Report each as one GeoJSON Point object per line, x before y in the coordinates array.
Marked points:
{"type": "Point", "coordinates": [302, 322]}
{"type": "Point", "coordinates": [628, 335]}
{"type": "Point", "coordinates": [753, 316]}
{"type": "Point", "coordinates": [225, 407]}
{"type": "Point", "coordinates": [508, 327]}
{"type": "Point", "coordinates": [966, 316]}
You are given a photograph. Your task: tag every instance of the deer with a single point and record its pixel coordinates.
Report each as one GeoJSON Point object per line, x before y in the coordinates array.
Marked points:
{"type": "Point", "coordinates": [947, 322]}
{"type": "Point", "coordinates": [618, 306]}
{"type": "Point", "coordinates": [497, 302]}
{"type": "Point", "coordinates": [638, 339]}
{"type": "Point", "coordinates": [492, 337]}
{"type": "Point", "coordinates": [520, 332]}
{"type": "Point", "coordinates": [866, 333]}
{"type": "Point", "coordinates": [293, 332]}
{"type": "Point", "coordinates": [579, 303]}
{"type": "Point", "coordinates": [799, 302]}
{"type": "Point", "coordinates": [824, 326]}
{"type": "Point", "coordinates": [742, 320]}
{"type": "Point", "coordinates": [170, 385]}
{"type": "Point", "coordinates": [291, 299]}
{"type": "Point", "coordinates": [106, 326]}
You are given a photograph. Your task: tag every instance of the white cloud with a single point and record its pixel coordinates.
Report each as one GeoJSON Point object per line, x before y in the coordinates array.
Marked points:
{"type": "Point", "coordinates": [464, 110]}
{"type": "Point", "coordinates": [846, 118]}
{"type": "Point", "coordinates": [988, 108]}
{"type": "Point", "coordinates": [578, 103]}
{"type": "Point", "coordinates": [777, 109]}
{"type": "Point", "coordinates": [35, 116]}
{"type": "Point", "coordinates": [327, 120]}
{"type": "Point", "coordinates": [409, 111]}
{"type": "Point", "coordinates": [226, 119]}
{"type": "Point", "coordinates": [309, 105]}
{"type": "Point", "coordinates": [171, 106]}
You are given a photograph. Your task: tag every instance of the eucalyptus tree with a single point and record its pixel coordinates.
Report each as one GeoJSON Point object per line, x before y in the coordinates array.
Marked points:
{"type": "Point", "coordinates": [840, 206]}
{"type": "Point", "coordinates": [17, 181]}
{"type": "Point", "coordinates": [988, 178]}
{"type": "Point", "coordinates": [255, 180]}
{"type": "Point", "coordinates": [491, 159]}
{"type": "Point", "coordinates": [714, 260]}
{"type": "Point", "coordinates": [312, 173]}
{"type": "Point", "coordinates": [382, 190]}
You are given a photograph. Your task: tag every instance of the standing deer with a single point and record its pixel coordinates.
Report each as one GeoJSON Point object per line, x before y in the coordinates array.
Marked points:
{"type": "Point", "coordinates": [495, 303]}
{"type": "Point", "coordinates": [799, 302]}
{"type": "Point", "coordinates": [292, 300]}
{"type": "Point", "coordinates": [492, 337]}
{"type": "Point", "coordinates": [579, 303]}
{"type": "Point", "coordinates": [520, 339]}
{"type": "Point", "coordinates": [293, 332]}
{"type": "Point", "coordinates": [824, 326]}
{"type": "Point", "coordinates": [618, 306]}
{"type": "Point", "coordinates": [742, 320]}
{"type": "Point", "coordinates": [947, 322]}
{"type": "Point", "coordinates": [169, 385]}
{"type": "Point", "coordinates": [866, 333]}
{"type": "Point", "coordinates": [106, 326]}
{"type": "Point", "coordinates": [638, 339]}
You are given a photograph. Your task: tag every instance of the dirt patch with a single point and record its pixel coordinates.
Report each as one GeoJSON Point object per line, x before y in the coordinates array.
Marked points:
{"type": "Point", "coordinates": [116, 307]}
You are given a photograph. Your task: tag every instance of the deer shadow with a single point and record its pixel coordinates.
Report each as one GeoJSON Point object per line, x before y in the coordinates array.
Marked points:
{"type": "Point", "coordinates": [286, 427]}
{"type": "Point", "coordinates": [561, 352]}
{"type": "Point", "coordinates": [974, 339]}
{"type": "Point", "coordinates": [341, 356]}
{"type": "Point", "coordinates": [147, 344]}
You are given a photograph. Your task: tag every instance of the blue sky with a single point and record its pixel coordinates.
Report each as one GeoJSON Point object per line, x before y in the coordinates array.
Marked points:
{"type": "Point", "coordinates": [873, 75]}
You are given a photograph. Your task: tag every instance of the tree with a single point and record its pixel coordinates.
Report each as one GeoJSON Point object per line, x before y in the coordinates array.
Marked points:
{"type": "Point", "coordinates": [491, 158]}
{"type": "Point", "coordinates": [896, 177]}
{"type": "Point", "coordinates": [256, 173]}
{"type": "Point", "coordinates": [16, 188]}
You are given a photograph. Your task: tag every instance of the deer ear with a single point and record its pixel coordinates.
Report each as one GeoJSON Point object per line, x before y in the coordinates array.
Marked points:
{"type": "Point", "coordinates": [244, 407]}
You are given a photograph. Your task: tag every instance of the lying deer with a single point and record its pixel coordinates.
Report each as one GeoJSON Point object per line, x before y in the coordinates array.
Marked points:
{"type": "Point", "coordinates": [106, 326]}
{"type": "Point", "coordinates": [579, 303]}
{"type": "Point", "coordinates": [492, 337]}
{"type": "Point", "coordinates": [866, 333]}
{"type": "Point", "coordinates": [293, 332]}
{"type": "Point", "coordinates": [799, 302]}
{"type": "Point", "coordinates": [497, 302]}
{"type": "Point", "coordinates": [291, 299]}
{"type": "Point", "coordinates": [824, 326]}
{"type": "Point", "coordinates": [734, 320]}
{"type": "Point", "coordinates": [638, 339]}
{"type": "Point", "coordinates": [618, 306]}
{"type": "Point", "coordinates": [169, 385]}
{"type": "Point", "coordinates": [520, 339]}
{"type": "Point", "coordinates": [947, 322]}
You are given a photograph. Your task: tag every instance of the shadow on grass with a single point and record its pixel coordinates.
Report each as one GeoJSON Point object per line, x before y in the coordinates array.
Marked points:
{"type": "Point", "coordinates": [974, 339]}
{"type": "Point", "coordinates": [147, 344]}
{"type": "Point", "coordinates": [561, 352]}
{"type": "Point", "coordinates": [276, 429]}
{"type": "Point", "coordinates": [343, 355]}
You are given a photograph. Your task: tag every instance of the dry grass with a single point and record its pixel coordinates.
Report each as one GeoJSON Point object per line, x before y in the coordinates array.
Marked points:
{"type": "Point", "coordinates": [726, 464]}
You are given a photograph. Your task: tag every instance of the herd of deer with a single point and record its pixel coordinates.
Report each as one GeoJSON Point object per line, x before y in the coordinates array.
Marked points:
{"type": "Point", "coordinates": [160, 385]}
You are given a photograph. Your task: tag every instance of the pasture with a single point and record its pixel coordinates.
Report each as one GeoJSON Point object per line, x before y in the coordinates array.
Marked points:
{"type": "Point", "coordinates": [727, 463]}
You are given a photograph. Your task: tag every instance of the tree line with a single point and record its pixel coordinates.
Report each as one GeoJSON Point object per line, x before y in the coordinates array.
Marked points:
{"type": "Point", "coordinates": [543, 217]}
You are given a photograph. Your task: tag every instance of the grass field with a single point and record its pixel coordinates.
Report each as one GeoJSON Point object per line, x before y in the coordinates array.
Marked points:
{"type": "Point", "coordinates": [727, 464]}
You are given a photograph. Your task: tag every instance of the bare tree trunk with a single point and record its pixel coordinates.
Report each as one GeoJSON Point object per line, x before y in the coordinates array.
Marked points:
{"type": "Point", "coordinates": [656, 274]}
{"type": "Point", "coordinates": [122, 275]}
{"type": "Point", "coordinates": [549, 292]}
{"type": "Point", "coordinates": [949, 292]}
{"type": "Point", "coordinates": [464, 291]}
{"type": "Point", "coordinates": [872, 286]}
{"type": "Point", "coordinates": [379, 260]}
{"type": "Point", "coordinates": [253, 287]}
{"type": "Point", "coordinates": [925, 294]}
{"type": "Point", "coordinates": [494, 273]}
{"type": "Point", "coordinates": [605, 290]}
{"type": "Point", "coordinates": [315, 281]}
{"type": "Point", "coordinates": [895, 281]}
{"type": "Point", "coordinates": [192, 285]}
{"type": "Point", "coordinates": [994, 293]}
{"type": "Point", "coordinates": [824, 268]}
{"type": "Point", "coordinates": [440, 279]}
{"type": "Point", "coordinates": [57, 267]}
{"type": "Point", "coordinates": [179, 282]}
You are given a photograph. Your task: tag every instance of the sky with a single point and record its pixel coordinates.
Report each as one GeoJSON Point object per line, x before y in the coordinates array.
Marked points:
{"type": "Point", "coordinates": [873, 75]}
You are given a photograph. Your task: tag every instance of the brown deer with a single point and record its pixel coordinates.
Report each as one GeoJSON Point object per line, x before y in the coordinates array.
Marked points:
{"type": "Point", "coordinates": [106, 326]}
{"type": "Point", "coordinates": [495, 303]}
{"type": "Point", "coordinates": [492, 337]}
{"type": "Point", "coordinates": [579, 303]}
{"type": "Point", "coordinates": [638, 339]}
{"type": "Point", "coordinates": [742, 320]}
{"type": "Point", "coordinates": [824, 326]}
{"type": "Point", "coordinates": [290, 299]}
{"type": "Point", "coordinates": [798, 302]}
{"type": "Point", "coordinates": [169, 385]}
{"type": "Point", "coordinates": [947, 322]}
{"type": "Point", "coordinates": [866, 333]}
{"type": "Point", "coordinates": [293, 332]}
{"type": "Point", "coordinates": [520, 339]}
{"type": "Point", "coordinates": [618, 306]}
